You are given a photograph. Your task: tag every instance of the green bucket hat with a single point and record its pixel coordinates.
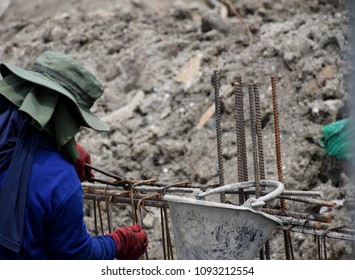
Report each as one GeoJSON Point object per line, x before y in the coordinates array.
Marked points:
{"type": "Point", "coordinates": [60, 73]}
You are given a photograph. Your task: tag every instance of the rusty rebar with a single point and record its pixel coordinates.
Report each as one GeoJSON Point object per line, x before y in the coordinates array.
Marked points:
{"type": "Point", "coordinates": [240, 134]}
{"type": "Point", "coordinates": [168, 237]}
{"type": "Point", "coordinates": [277, 134]}
{"type": "Point", "coordinates": [125, 200]}
{"type": "Point", "coordinates": [310, 216]}
{"type": "Point", "coordinates": [100, 216]}
{"type": "Point", "coordinates": [321, 232]}
{"type": "Point", "coordinates": [300, 222]}
{"type": "Point", "coordinates": [108, 211]}
{"type": "Point", "coordinates": [163, 232]}
{"type": "Point", "coordinates": [95, 218]}
{"type": "Point", "coordinates": [259, 133]}
{"type": "Point", "coordinates": [308, 200]}
{"type": "Point", "coordinates": [105, 172]}
{"type": "Point", "coordinates": [254, 140]}
{"type": "Point", "coordinates": [278, 156]}
{"type": "Point", "coordinates": [217, 86]}
{"type": "Point", "coordinates": [163, 187]}
{"type": "Point", "coordinates": [322, 247]}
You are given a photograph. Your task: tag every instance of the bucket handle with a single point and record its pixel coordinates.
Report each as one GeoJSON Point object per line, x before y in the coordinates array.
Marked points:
{"type": "Point", "coordinates": [252, 202]}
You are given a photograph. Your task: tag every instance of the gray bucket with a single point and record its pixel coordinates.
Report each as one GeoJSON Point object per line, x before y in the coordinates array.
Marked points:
{"type": "Point", "coordinates": [218, 231]}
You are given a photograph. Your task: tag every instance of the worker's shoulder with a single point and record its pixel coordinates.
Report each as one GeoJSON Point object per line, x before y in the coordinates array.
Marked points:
{"type": "Point", "coordinates": [52, 164]}
{"type": "Point", "coordinates": [53, 181]}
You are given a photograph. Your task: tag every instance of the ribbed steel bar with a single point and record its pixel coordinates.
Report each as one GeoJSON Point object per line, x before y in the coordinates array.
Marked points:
{"type": "Point", "coordinates": [318, 202]}
{"type": "Point", "coordinates": [278, 157]}
{"type": "Point", "coordinates": [310, 216]}
{"type": "Point", "coordinates": [259, 131]}
{"type": "Point", "coordinates": [266, 251]}
{"type": "Point", "coordinates": [150, 187]}
{"type": "Point", "coordinates": [287, 193]}
{"type": "Point", "coordinates": [300, 222]}
{"type": "Point", "coordinates": [125, 200]}
{"type": "Point", "coordinates": [277, 134]}
{"type": "Point", "coordinates": [163, 232]}
{"type": "Point", "coordinates": [321, 232]}
{"type": "Point", "coordinates": [108, 214]}
{"type": "Point", "coordinates": [100, 217]}
{"type": "Point", "coordinates": [254, 139]}
{"type": "Point", "coordinates": [95, 217]}
{"type": "Point", "coordinates": [240, 134]}
{"type": "Point", "coordinates": [217, 86]}
{"type": "Point", "coordinates": [303, 196]}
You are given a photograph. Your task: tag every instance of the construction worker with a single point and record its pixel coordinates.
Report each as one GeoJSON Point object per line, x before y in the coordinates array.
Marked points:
{"type": "Point", "coordinates": [42, 166]}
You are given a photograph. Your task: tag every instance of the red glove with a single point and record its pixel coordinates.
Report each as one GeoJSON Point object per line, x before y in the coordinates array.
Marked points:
{"type": "Point", "coordinates": [84, 172]}
{"type": "Point", "coordinates": [131, 242]}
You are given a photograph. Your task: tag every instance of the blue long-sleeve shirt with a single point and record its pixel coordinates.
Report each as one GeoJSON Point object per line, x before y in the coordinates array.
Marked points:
{"type": "Point", "coordinates": [54, 224]}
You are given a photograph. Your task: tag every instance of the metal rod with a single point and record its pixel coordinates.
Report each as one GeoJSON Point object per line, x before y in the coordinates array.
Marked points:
{"type": "Point", "coordinates": [125, 200]}
{"type": "Point", "coordinates": [216, 85]}
{"type": "Point", "coordinates": [118, 177]}
{"type": "Point", "coordinates": [309, 200]}
{"type": "Point", "coordinates": [300, 222]}
{"type": "Point", "coordinates": [100, 217]}
{"type": "Point", "coordinates": [290, 244]}
{"type": "Point", "coordinates": [240, 134]}
{"type": "Point", "coordinates": [259, 131]}
{"type": "Point", "coordinates": [254, 137]}
{"type": "Point", "coordinates": [108, 212]}
{"type": "Point", "coordinates": [89, 187]}
{"type": "Point", "coordinates": [95, 217]}
{"type": "Point", "coordinates": [278, 156]}
{"type": "Point", "coordinates": [311, 216]}
{"type": "Point", "coordinates": [170, 246]}
{"type": "Point", "coordinates": [277, 135]}
{"type": "Point", "coordinates": [321, 232]}
{"type": "Point", "coordinates": [163, 232]}
{"type": "Point", "coordinates": [254, 140]}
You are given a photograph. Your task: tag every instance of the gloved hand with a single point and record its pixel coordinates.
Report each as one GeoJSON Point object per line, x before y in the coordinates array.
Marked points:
{"type": "Point", "coordinates": [131, 242]}
{"type": "Point", "coordinates": [84, 172]}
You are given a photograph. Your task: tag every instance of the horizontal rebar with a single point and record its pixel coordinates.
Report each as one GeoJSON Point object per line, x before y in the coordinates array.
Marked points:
{"type": "Point", "coordinates": [309, 200]}
{"type": "Point", "coordinates": [159, 187]}
{"type": "Point", "coordinates": [125, 200]}
{"type": "Point", "coordinates": [299, 222]}
{"type": "Point", "coordinates": [319, 232]}
{"type": "Point", "coordinates": [288, 218]}
{"type": "Point", "coordinates": [310, 216]}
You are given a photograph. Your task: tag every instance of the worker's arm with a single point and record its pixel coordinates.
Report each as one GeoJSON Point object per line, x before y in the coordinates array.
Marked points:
{"type": "Point", "coordinates": [67, 237]}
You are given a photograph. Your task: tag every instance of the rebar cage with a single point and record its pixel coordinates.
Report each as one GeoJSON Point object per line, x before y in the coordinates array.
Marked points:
{"type": "Point", "coordinates": [140, 195]}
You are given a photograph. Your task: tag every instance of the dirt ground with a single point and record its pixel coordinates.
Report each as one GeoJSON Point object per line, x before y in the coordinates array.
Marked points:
{"type": "Point", "coordinates": [156, 59]}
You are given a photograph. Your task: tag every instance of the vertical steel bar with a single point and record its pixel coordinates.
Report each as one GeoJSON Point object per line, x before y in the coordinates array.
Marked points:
{"type": "Point", "coordinates": [240, 133]}
{"type": "Point", "coordinates": [95, 218]}
{"type": "Point", "coordinates": [325, 247]}
{"type": "Point", "coordinates": [278, 157]}
{"type": "Point", "coordinates": [277, 135]}
{"type": "Point", "coordinates": [168, 238]}
{"type": "Point", "coordinates": [108, 211]}
{"type": "Point", "coordinates": [216, 85]}
{"type": "Point", "coordinates": [319, 247]}
{"type": "Point", "coordinates": [254, 140]}
{"type": "Point", "coordinates": [163, 232]}
{"type": "Point", "coordinates": [265, 253]}
{"type": "Point", "coordinates": [100, 217]}
{"type": "Point", "coordinates": [259, 132]}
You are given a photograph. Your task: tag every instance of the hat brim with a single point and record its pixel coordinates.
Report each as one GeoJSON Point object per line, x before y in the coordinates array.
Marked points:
{"type": "Point", "coordinates": [89, 118]}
